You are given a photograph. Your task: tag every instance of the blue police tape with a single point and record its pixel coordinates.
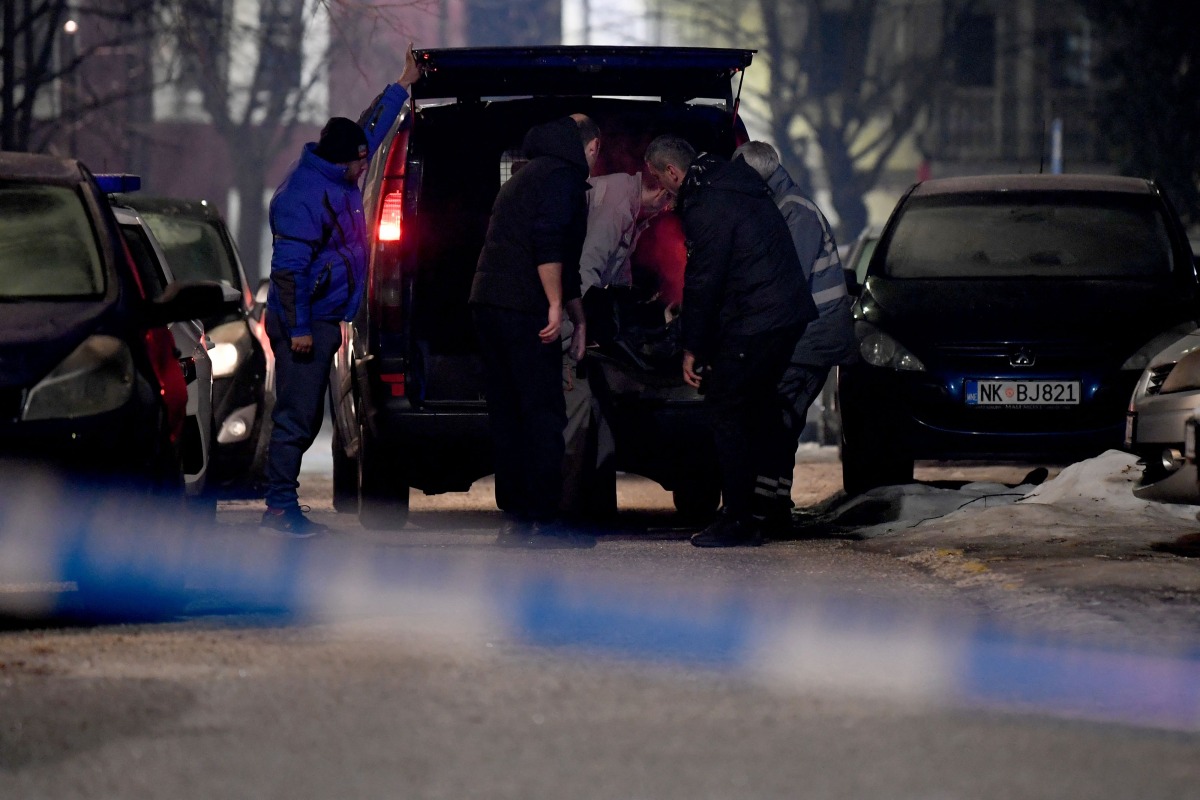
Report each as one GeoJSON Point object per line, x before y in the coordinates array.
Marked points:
{"type": "Point", "coordinates": [119, 561]}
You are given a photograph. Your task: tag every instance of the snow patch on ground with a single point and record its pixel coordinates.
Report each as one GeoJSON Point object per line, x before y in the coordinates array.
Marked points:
{"type": "Point", "coordinates": [1101, 484]}
{"type": "Point", "coordinates": [1109, 478]}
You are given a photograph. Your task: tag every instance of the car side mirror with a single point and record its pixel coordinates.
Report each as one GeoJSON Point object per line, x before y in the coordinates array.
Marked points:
{"type": "Point", "coordinates": [187, 300]}
{"type": "Point", "coordinates": [852, 284]}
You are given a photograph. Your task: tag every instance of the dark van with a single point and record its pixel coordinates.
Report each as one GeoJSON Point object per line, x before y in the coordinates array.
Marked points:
{"type": "Point", "coordinates": [407, 391]}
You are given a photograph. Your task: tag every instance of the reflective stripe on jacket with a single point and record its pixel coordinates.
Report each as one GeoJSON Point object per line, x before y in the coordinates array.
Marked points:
{"type": "Point", "coordinates": [829, 340]}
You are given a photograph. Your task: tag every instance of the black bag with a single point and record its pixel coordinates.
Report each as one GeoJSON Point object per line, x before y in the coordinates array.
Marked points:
{"type": "Point", "coordinates": [630, 326]}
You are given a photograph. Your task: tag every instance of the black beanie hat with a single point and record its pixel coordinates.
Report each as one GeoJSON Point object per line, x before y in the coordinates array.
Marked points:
{"type": "Point", "coordinates": [342, 141]}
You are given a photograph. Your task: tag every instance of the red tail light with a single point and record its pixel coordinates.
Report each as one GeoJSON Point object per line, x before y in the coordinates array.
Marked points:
{"type": "Point", "coordinates": [395, 382]}
{"type": "Point", "coordinates": [391, 216]}
{"type": "Point", "coordinates": [387, 283]}
{"type": "Point", "coordinates": [160, 347]}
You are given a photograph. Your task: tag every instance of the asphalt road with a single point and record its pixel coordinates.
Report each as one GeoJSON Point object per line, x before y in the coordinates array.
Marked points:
{"type": "Point", "coordinates": [428, 663]}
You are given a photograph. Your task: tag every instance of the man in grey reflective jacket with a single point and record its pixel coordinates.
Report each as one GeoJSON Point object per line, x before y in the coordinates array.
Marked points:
{"type": "Point", "coordinates": [827, 341]}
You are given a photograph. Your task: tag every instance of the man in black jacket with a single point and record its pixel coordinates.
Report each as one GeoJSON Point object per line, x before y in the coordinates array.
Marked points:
{"type": "Point", "coordinates": [527, 276]}
{"type": "Point", "coordinates": [745, 304]}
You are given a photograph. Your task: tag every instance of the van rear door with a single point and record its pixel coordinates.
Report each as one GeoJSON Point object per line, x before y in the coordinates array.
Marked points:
{"type": "Point", "coordinates": [443, 176]}
{"type": "Point", "coordinates": [675, 74]}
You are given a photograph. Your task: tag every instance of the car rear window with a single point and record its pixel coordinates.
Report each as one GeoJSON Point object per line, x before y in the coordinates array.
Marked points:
{"type": "Point", "coordinates": [194, 249]}
{"type": "Point", "coordinates": [47, 247]}
{"type": "Point", "coordinates": [1030, 235]}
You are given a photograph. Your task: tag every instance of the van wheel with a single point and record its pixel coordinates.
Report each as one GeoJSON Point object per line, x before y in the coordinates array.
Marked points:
{"type": "Point", "coordinates": [382, 489]}
{"type": "Point", "coordinates": [697, 501]}
{"type": "Point", "coordinates": [865, 468]}
{"type": "Point", "coordinates": [829, 427]}
{"type": "Point", "coordinates": [345, 477]}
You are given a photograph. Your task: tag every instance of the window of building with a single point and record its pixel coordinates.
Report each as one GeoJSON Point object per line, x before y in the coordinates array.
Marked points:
{"type": "Point", "coordinates": [1069, 57]}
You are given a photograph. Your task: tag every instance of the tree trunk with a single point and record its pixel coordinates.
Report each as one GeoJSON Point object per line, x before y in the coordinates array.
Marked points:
{"type": "Point", "coordinates": [8, 125]}
{"type": "Point", "coordinates": [845, 185]}
{"type": "Point", "coordinates": [252, 217]}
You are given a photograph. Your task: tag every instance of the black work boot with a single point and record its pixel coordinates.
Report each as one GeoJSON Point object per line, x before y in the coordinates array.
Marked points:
{"type": "Point", "coordinates": [727, 531]}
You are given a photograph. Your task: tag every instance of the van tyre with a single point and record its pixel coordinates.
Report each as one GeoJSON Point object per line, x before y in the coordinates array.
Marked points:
{"type": "Point", "coordinates": [345, 476]}
{"type": "Point", "coordinates": [698, 500]}
{"type": "Point", "coordinates": [829, 425]}
{"type": "Point", "coordinates": [382, 488]}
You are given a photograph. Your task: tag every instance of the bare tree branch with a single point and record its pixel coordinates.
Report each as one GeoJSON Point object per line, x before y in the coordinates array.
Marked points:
{"type": "Point", "coordinates": [839, 74]}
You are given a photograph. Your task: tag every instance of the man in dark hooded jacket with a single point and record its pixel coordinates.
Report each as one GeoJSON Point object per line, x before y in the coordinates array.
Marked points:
{"type": "Point", "coordinates": [527, 276]}
{"type": "Point", "coordinates": [745, 305]}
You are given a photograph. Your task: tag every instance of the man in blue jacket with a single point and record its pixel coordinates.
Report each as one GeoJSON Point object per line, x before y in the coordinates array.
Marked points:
{"type": "Point", "coordinates": [318, 274]}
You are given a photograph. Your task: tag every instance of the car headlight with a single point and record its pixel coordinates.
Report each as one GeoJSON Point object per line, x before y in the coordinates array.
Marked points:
{"type": "Point", "coordinates": [1184, 376]}
{"type": "Point", "coordinates": [1142, 358]}
{"type": "Point", "coordinates": [880, 350]}
{"type": "Point", "coordinates": [96, 377]}
{"type": "Point", "coordinates": [232, 346]}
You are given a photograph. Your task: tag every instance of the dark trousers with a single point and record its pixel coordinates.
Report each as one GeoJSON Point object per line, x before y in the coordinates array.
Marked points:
{"type": "Point", "coordinates": [300, 386]}
{"type": "Point", "coordinates": [742, 396]}
{"type": "Point", "coordinates": [526, 410]}
{"type": "Point", "coordinates": [799, 387]}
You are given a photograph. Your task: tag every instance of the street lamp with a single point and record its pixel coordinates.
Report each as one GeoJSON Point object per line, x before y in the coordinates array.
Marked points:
{"type": "Point", "coordinates": [70, 29]}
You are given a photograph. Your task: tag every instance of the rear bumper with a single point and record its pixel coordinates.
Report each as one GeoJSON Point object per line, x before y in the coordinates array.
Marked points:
{"type": "Point", "coordinates": [447, 448]}
{"type": "Point", "coordinates": [670, 443]}
{"type": "Point", "coordinates": [1178, 487]}
{"type": "Point", "coordinates": [441, 450]}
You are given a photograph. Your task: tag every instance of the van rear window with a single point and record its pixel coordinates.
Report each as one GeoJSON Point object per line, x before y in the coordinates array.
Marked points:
{"type": "Point", "coordinates": [47, 248]}
{"type": "Point", "coordinates": [510, 162]}
{"type": "Point", "coordinates": [1030, 235]}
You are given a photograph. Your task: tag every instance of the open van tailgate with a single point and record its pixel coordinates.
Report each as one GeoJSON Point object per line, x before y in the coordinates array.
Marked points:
{"type": "Point", "coordinates": [672, 73]}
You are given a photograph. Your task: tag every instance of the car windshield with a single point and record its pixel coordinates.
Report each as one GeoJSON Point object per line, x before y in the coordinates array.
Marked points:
{"type": "Point", "coordinates": [47, 247]}
{"type": "Point", "coordinates": [1030, 235]}
{"type": "Point", "coordinates": [194, 249]}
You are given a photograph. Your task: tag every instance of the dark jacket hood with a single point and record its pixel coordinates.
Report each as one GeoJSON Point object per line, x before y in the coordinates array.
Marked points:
{"type": "Point", "coordinates": [709, 171]}
{"type": "Point", "coordinates": [558, 138]}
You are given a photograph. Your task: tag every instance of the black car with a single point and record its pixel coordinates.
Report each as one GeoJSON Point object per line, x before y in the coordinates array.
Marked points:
{"type": "Point", "coordinates": [1009, 317]}
{"type": "Point", "coordinates": [407, 393]}
{"type": "Point", "coordinates": [198, 246]}
{"type": "Point", "coordinates": [89, 379]}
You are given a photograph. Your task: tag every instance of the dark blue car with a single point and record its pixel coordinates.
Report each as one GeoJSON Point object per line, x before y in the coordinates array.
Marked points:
{"type": "Point", "coordinates": [90, 383]}
{"type": "Point", "coordinates": [1008, 318]}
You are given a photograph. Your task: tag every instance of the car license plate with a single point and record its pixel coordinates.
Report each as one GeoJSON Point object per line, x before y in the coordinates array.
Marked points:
{"type": "Point", "coordinates": [1022, 393]}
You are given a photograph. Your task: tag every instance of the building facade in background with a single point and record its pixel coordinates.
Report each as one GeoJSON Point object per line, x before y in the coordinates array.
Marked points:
{"type": "Point", "coordinates": [1018, 93]}
{"type": "Point", "coordinates": [1021, 94]}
